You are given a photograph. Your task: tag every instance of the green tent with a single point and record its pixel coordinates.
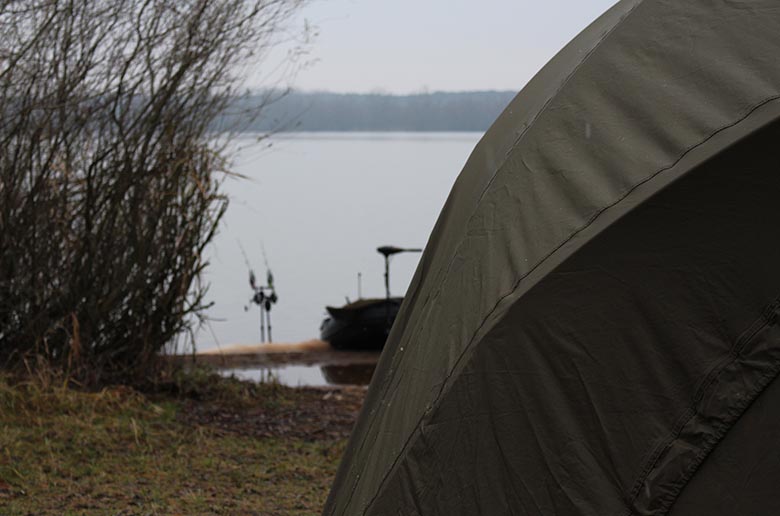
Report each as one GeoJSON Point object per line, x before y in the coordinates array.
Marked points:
{"type": "Point", "coordinates": [592, 329]}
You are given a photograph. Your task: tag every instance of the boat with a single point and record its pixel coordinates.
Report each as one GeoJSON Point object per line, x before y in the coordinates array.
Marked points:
{"type": "Point", "coordinates": [364, 324]}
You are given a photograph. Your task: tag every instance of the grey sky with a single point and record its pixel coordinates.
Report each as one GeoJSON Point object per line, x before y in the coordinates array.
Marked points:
{"type": "Point", "coordinates": [402, 46]}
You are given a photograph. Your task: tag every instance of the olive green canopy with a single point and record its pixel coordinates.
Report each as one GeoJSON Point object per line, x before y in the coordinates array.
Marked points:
{"type": "Point", "coordinates": [592, 329]}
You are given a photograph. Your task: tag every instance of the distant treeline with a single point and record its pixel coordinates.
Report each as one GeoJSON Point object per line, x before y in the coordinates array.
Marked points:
{"type": "Point", "coordinates": [301, 111]}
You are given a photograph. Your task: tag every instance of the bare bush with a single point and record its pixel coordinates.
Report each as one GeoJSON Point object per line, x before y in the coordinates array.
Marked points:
{"type": "Point", "coordinates": [109, 177]}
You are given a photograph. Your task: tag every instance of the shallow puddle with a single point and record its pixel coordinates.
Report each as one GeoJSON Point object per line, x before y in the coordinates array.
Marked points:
{"type": "Point", "coordinates": [306, 375]}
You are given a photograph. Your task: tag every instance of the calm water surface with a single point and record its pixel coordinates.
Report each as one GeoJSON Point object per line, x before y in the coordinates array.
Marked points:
{"type": "Point", "coordinates": [307, 375]}
{"type": "Point", "coordinates": [320, 204]}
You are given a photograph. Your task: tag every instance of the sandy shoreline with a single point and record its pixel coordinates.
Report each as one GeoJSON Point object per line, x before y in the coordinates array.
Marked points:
{"type": "Point", "coordinates": [270, 347]}
{"type": "Point", "coordinates": [311, 352]}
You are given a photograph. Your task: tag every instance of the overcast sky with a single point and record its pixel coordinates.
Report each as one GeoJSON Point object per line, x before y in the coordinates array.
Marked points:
{"type": "Point", "coordinates": [404, 46]}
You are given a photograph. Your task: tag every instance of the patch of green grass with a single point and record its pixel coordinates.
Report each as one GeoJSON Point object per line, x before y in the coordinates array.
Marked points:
{"type": "Point", "coordinates": [67, 452]}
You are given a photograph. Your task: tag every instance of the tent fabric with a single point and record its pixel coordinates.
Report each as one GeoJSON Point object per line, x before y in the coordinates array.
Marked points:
{"type": "Point", "coordinates": [596, 308]}
{"type": "Point", "coordinates": [740, 476]}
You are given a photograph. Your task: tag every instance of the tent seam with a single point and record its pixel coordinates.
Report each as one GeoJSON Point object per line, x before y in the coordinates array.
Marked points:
{"type": "Point", "coordinates": [504, 161]}
{"type": "Point", "coordinates": [690, 411]}
{"type": "Point", "coordinates": [736, 410]}
{"type": "Point", "coordinates": [514, 145]}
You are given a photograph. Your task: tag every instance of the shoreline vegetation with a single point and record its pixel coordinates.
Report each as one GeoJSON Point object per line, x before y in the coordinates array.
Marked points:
{"type": "Point", "coordinates": [192, 443]}
{"type": "Point", "coordinates": [112, 189]}
{"type": "Point", "coordinates": [110, 177]}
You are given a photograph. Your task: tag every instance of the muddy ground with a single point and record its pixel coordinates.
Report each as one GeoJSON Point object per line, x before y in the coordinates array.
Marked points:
{"type": "Point", "coordinates": [308, 413]}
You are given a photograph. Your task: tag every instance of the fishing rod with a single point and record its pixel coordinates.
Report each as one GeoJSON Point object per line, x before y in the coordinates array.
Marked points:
{"type": "Point", "coordinates": [262, 295]}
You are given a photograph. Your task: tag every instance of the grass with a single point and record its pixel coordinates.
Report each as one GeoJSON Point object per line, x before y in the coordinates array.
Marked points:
{"type": "Point", "coordinates": [120, 452]}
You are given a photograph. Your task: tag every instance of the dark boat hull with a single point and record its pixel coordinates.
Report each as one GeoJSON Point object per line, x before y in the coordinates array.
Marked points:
{"type": "Point", "coordinates": [364, 324]}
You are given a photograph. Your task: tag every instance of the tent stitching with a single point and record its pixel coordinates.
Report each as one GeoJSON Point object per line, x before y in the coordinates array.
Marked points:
{"type": "Point", "coordinates": [528, 125]}
{"type": "Point", "coordinates": [590, 221]}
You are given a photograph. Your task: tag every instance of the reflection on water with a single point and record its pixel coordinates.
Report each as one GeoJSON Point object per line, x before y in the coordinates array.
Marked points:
{"type": "Point", "coordinates": [307, 375]}
{"type": "Point", "coordinates": [348, 374]}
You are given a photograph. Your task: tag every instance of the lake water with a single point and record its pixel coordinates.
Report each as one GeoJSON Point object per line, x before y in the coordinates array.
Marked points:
{"type": "Point", "coordinates": [320, 204]}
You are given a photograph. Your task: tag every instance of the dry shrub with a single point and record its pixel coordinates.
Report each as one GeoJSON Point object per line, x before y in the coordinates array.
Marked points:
{"type": "Point", "coordinates": [109, 176]}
